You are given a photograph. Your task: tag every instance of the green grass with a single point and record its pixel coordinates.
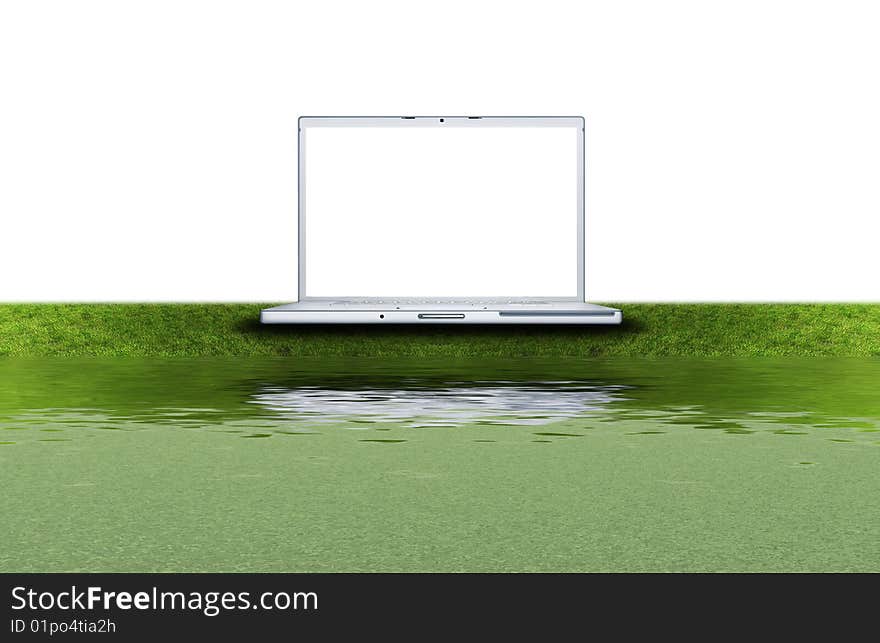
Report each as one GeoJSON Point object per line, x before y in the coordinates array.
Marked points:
{"type": "Point", "coordinates": [649, 330]}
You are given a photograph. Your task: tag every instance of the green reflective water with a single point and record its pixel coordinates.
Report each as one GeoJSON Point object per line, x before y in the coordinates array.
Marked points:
{"type": "Point", "coordinates": [282, 465]}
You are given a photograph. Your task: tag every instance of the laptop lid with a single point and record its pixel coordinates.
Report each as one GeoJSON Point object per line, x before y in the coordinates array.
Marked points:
{"type": "Point", "coordinates": [441, 207]}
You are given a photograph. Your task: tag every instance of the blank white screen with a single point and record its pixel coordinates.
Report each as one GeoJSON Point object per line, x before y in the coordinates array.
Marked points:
{"type": "Point", "coordinates": [441, 211]}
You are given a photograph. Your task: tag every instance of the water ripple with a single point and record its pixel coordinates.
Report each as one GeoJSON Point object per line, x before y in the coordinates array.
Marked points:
{"type": "Point", "coordinates": [531, 404]}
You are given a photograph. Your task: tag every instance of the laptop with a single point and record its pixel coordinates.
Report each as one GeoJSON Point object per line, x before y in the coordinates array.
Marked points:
{"type": "Point", "coordinates": [441, 220]}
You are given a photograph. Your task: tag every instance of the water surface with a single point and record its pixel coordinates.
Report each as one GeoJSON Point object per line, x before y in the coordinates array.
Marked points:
{"type": "Point", "coordinates": [365, 465]}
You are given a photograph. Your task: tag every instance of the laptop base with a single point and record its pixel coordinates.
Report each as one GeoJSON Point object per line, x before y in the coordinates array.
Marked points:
{"type": "Point", "coordinates": [342, 313]}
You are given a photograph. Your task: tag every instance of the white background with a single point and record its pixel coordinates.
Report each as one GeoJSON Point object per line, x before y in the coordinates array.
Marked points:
{"type": "Point", "coordinates": [380, 219]}
{"type": "Point", "coordinates": [147, 149]}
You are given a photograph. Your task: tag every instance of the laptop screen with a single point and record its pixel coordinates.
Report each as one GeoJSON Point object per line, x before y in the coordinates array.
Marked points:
{"type": "Point", "coordinates": [440, 211]}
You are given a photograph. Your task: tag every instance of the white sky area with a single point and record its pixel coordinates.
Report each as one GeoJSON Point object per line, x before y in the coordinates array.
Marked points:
{"type": "Point", "coordinates": [148, 150]}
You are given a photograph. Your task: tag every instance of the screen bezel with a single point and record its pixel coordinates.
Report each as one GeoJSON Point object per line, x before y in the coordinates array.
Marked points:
{"type": "Point", "coordinates": [304, 122]}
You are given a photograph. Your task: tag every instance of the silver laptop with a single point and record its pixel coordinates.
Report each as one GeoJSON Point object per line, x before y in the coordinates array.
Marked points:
{"type": "Point", "coordinates": [441, 220]}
